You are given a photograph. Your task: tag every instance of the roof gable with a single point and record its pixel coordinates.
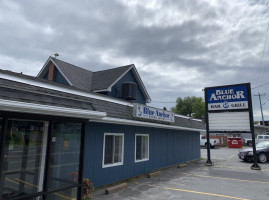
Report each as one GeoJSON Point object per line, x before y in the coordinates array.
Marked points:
{"type": "Point", "coordinates": [74, 75]}
{"type": "Point", "coordinates": [104, 80]}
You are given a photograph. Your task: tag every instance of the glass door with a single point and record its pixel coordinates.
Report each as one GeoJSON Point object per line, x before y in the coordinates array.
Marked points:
{"type": "Point", "coordinates": [23, 165]}
{"type": "Point", "coordinates": [65, 160]}
{"type": "Point", "coordinates": [32, 168]}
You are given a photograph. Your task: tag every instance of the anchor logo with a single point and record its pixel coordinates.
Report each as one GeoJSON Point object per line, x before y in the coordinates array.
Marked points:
{"type": "Point", "coordinates": [139, 111]}
{"type": "Point", "coordinates": [225, 104]}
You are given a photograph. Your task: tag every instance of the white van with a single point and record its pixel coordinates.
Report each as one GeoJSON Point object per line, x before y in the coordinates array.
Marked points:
{"type": "Point", "coordinates": [262, 138]}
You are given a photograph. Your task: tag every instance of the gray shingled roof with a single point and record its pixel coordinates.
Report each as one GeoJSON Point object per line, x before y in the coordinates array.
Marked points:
{"type": "Point", "coordinates": [88, 80]}
{"type": "Point", "coordinates": [16, 91]}
{"type": "Point", "coordinates": [92, 81]}
{"type": "Point", "coordinates": [102, 80]}
{"type": "Point", "coordinates": [79, 77]}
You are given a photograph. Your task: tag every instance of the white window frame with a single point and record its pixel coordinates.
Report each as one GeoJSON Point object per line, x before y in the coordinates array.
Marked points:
{"type": "Point", "coordinates": [122, 150]}
{"type": "Point", "coordinates": [145, 159]}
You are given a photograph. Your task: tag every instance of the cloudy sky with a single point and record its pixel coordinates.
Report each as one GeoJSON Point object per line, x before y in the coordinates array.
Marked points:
{"type": "Point", "coordinates": [178, 47]}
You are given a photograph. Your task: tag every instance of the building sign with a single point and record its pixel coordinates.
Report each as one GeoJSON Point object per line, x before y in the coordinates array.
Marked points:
{"type": "Point", "coordinates": [228, 108]}
{"type": "Point", "coordinates": [228, 98]}
{"type": "Point", "coordinates": [143, 111]}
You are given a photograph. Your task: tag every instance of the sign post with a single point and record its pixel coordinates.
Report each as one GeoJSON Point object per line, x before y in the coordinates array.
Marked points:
{"type": "Point", "coordinates": [208, 162]}
{"type": "Point", "coordinates": [255, 165]}
{"type": "Point", "coordinates": [229, 110]}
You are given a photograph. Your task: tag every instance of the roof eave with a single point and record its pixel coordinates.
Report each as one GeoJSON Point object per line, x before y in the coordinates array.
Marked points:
{"type": "Point", "coordinates": [33, 108]}
{"type": "Point", "coordinates": [145, 124]}
{"type": "Point", "coordinates": [141, 84]}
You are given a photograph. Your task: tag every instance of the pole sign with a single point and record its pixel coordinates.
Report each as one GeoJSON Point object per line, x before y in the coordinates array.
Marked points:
{"type": "Point", "coordinates": [229, 110]}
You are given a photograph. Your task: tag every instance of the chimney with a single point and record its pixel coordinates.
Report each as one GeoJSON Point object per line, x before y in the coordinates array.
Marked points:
{"type": "Point", "coordinates": [52, 71]}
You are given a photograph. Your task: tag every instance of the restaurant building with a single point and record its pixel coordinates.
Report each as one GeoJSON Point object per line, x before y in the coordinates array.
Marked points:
{"type": "Point", "coordinates": [68, 123]}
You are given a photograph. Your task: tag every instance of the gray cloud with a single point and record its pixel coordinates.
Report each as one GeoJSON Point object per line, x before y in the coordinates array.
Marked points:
{"type": "Point", "coordinates": [179, 47]}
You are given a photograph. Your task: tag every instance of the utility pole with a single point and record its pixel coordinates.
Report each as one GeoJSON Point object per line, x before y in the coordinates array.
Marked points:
{"type": "Point", "coordinates": [261, 106]}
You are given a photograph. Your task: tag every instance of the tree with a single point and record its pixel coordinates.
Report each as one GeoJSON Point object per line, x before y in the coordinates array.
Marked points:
{"type": "Point", "coordinates": [190, 106]}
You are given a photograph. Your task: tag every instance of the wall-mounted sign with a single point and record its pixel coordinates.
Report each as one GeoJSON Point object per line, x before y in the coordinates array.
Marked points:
{"type": "Point", "coordinates": [142, 111]}
{"type": "Point", "coordinates": [228, 98]}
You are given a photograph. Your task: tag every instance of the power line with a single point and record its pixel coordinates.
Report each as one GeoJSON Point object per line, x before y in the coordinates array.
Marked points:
{"type": "Point", "coordinates": [263, 71]}
{"type": "Point", "coordinates": [265, 42]}
{"type": "Point", "coordinates": [265, 101]}
{"type": "Point", "coordinates": [260, 85]}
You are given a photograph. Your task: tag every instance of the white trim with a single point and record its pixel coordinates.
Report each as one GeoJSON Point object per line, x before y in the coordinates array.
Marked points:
{"type": "Point", "coordinates": [110, 87]}
{"type": "Point", "coordinates": [182, 116]}
{"type": "Point", "coordinates": [61, 72]}
{"type": "Point", "coordinates": [148, 99]}
{"type": "Point", "coordinates": [43, 156]}
{"type": "Point", "coordinates": [102, 90]}
{"type": "Point", "coordinates": [122, 150]}
{"type": "Point", "coordinates": [46, 66]}
{"type": "Point", "coordinates": [62, 89]}
{"type": "Point", "coordinates": [17, 106]}
{"type": "Point", "coordinates": [111, 120]}
{"type": "Point", "coordinates": [140, 83]}
{"type": "Point", "coordinates": [145, 159]}
{"type": "Point", "coordinates": [186, 117]}
{"type": "Point", "coordinates": [43, 68]}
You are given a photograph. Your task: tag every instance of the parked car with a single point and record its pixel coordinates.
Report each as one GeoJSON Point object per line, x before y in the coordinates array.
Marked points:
{"type": "Point", "coordinates": [259, 138]}
{"type": "Point", "coordinates": [213, 142]}
{"type": "Point", "coordinates": [262, 150]}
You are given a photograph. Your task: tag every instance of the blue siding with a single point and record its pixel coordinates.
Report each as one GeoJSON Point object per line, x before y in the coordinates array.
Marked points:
{"type": "Point", "coordinates": [46, 76]}
{"type": "Point", "coordinates": [166, 147]}
{"type": "Point", "coordinates": [116, 89]}
{"type": "Point", "coordinates": [59, 78]}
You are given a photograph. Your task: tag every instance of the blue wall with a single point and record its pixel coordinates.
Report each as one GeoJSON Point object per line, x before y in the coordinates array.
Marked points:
{"type": "Point", "coordinates": [116, 90]}
{"type": "Point", "coordinates": [166, 147]}
{"type": "Point", "coordinates": [58, 77]}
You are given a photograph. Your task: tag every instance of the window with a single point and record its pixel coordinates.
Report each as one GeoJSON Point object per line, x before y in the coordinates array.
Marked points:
{"type": "Point", "coordinates": [113, 149]}
{"type": "Point", "coordinates": [141, 147]}
{"type": "Point", "coordinates": [65, 154]}
{"type": "Point", "coordinates": [24, 158]}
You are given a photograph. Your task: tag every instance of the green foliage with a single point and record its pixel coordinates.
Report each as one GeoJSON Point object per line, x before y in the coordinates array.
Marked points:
{"type": "Point", "coordinates": [88, 189]}
{"type": "Point", "coordinates": [190, 106]}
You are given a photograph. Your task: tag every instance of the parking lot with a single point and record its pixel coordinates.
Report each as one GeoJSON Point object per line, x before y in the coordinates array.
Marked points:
{"type": "Point", "coordinates": [229, 178]}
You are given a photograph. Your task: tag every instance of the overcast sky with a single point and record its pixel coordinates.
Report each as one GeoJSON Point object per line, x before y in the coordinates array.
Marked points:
{"type": "Point", "coordinates": [178, 47]}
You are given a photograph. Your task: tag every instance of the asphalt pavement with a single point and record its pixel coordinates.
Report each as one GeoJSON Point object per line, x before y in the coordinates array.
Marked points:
{"type": "Point", "coordinates": [229, 178]}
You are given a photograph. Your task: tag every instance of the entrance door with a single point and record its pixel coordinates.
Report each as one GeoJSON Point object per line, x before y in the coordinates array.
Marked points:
{"type": "Point", "coordinates": [24, 153]}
